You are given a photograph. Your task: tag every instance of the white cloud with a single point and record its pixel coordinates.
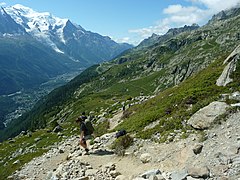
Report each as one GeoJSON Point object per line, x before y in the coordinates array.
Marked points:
{"type": "Point", "coordinates": [172, 9]}
{"type": "Point", "coordinates": [179, 9]}
{"type": "Point", "coordinates": [123, 40]}
{"type": "Point", "coordinates": [217, 5]}
{"type": "Point", "coordinates": [3, 4]}
{"type": "Point", "coordinates": [129, 40]}
{"type": "Point", "coordinates": [178, 15]}
{"type": "Point", "coordinates": [160, 28]}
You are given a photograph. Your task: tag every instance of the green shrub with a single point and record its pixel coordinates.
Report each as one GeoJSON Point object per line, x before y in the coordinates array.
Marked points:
{"type": "Point", "coordinates": [202, 136]}
{"type": "Point", "coordinates": [121, 144]}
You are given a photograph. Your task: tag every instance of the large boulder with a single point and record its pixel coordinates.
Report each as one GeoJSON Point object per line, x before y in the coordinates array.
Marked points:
{"type": "Point", "coordinates": [199, 172]}
{"type": "Point", "coordinates": [204, 118]}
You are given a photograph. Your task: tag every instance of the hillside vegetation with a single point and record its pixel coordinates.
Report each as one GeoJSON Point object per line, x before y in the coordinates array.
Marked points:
{"type": "Point", "coordinates": [178, 72]}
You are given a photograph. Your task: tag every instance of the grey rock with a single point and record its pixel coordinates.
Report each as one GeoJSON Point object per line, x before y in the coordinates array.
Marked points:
{"type": "Point", "coordinates": [199, 172]}
{"type": "Point", "coordinates": [222, 158]}
{"type": "Point", "coordinates": [121, 177]}
{"type": "Point", "coordinates": [91, 172]}
{"type": "Point", "coordinates": [153, 177]}
{"type": "Point", "coordinates": [12, 141]}
{"type": "Point", "coordinates": [29, 134]}
{"type": "Point", "coordinates": [180, 175]}
{"type": "Point", "coordinates": [235, 96]}
{"type": "Point", "coordinates": [83, 178]}
{"type": "Point", "coordinates": [111, 166]}
{"type": "Point", "coordinates": [139, 178]}
{"type": "Point", "coordinates": [204, 118]}
{"type": "Point", "coordinates": [224, 79]}
{"type": "Point", "coordinates": [114, 173]}
{"type": "Point", "coordinates": [153, 172]}
{"type": "Point", "coordinates": [145, 158]}
{"type": "Point", "coordinates": [160, 177]}
{"type": "Point", "coordinates": [61, 151]}
{"type": "Point", "coordinates": [197, 148]}
{"type": "Point", "coordinates": [236, 160]}
{"type": "Point", "coordinates": [16, 162]}
{"type": "Point", "coordinates": [57, 129]}
{"type": "Point", "coordinates": [10, 177]}
{"type": "Point", "coordinates": [97, 140]}
{"type": "Point", "coordinates": [37, 139]}
{"type": "Point", "coordinates": [191, 178]}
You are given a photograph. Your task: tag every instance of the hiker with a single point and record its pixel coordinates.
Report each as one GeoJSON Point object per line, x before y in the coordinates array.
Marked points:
{"type": "Point", "coordinates": [86, 131]}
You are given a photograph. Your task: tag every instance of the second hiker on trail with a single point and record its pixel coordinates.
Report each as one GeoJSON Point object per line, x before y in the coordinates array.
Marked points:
{"type": "Point", "coordinates": [86, 131]}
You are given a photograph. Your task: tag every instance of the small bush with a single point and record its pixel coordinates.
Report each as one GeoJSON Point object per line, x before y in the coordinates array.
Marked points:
{"type": "Point", "coordinates": [121, 144]}
{"type": "Point", "coordinates": [126, 114]}
{"type": "Point", "coordinates": [202, 136]}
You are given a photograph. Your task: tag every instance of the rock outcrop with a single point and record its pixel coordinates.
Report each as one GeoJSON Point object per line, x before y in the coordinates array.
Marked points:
{"type": "Point", "coordinates": [232, 59]}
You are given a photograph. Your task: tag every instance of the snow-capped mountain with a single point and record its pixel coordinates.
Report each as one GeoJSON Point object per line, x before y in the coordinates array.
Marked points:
{"type": "Point", "coordinates": [8, 25]}
{"type": "Point", "coordinates": [25, 57]}
{"type": "Point", "coordinates": [43, 26]}
{"type": "Point", "coordinates": [64, 36]}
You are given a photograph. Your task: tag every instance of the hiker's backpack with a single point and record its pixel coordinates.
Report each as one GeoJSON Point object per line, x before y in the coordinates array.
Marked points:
{"type": "Point", "coordinates": [89, 126]}
{"type": "Point", "coordinates": [83, 117]}
{"type": "Point", "coordinates": [120, 133]}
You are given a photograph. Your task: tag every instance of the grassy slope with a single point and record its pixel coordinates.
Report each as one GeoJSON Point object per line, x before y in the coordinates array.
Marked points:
{"type": "Point", "coordinates": [171, 106]}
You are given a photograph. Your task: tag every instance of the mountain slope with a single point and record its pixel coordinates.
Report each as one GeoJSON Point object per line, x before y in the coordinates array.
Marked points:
{"type": "Point", "coordinates": [30, 64]}
{"type": "Point", "coordinates": [146, 70]}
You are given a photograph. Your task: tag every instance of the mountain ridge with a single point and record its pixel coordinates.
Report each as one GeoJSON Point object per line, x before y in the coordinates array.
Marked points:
{"type": "Point", "coordinates": [60, 34]}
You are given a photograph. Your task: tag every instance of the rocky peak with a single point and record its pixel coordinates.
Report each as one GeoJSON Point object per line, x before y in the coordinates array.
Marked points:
{"type": "Point", "coordinates": [225, 14]}
{"type": "Point", "coordinates": [220, 16]}
{"type": "Point", "coordinates": [175, 31]}
{"type": "Point", "coordinates": [171, 32]}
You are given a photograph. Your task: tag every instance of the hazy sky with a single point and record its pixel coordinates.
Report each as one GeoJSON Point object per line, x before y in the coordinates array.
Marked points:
{"type": "Point", "coordinates": [129, 20]}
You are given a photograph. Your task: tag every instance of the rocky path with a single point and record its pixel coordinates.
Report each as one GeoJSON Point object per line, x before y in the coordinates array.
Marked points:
{"type": "Point", "coordinates": [218, 157]}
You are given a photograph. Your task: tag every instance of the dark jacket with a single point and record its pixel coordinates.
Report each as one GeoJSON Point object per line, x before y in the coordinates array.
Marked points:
{"type": "Point", "coordinates": [84, 129]}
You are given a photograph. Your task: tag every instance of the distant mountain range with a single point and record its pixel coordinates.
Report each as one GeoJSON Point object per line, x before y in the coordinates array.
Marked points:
{"type": "Point", "coordinates": [37, 46]}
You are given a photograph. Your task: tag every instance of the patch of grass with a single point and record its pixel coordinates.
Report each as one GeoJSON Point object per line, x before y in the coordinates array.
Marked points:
{"type": "Point", "coordinates": [202, 136]}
